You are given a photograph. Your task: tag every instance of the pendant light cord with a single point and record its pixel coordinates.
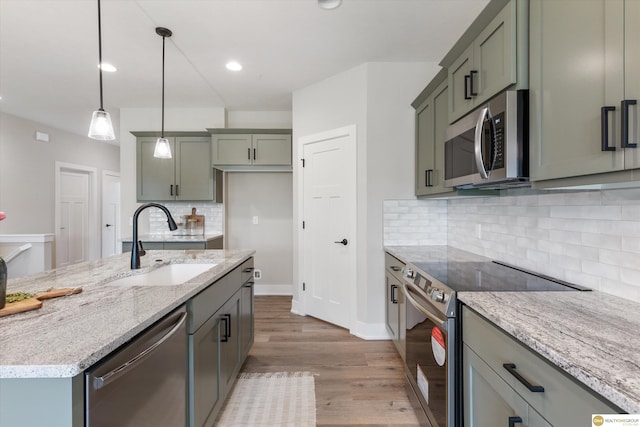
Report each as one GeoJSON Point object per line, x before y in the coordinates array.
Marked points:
{"type": "Point", "coordinates": [100, 54]}
{"type": "Point", "coordinates": [162, 129]}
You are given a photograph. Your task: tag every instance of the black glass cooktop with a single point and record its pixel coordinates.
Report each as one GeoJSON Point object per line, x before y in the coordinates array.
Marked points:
{"type": "Point", "coordinates": [491, 277]}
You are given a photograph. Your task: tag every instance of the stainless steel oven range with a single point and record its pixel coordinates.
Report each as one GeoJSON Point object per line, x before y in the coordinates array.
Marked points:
{"type": "Point", "coordinates": [434, 330]}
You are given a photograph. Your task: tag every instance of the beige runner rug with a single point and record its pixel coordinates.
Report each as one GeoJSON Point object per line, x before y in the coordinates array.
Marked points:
{"type": "Point", "coordinates": [271, 399]}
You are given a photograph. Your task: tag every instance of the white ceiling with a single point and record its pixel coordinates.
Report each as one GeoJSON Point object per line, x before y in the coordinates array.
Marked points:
{"type": "Point", "coordinates": [49, 50]}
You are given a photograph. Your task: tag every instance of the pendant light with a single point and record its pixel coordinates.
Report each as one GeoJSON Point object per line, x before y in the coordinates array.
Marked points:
{"type": "Point", "coordinates": [101, 127]}
{"type": "Point", "coordinates": [163, 149]}
{"type": "Point", "coordinates": [329, 4]}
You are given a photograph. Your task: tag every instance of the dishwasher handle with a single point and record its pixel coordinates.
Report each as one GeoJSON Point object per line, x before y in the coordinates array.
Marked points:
{"type": "Point", "coordinates": [99, 382]}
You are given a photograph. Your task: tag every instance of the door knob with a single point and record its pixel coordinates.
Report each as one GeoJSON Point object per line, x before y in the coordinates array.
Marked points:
{"type": "Point", "coordinates": [343, 242]}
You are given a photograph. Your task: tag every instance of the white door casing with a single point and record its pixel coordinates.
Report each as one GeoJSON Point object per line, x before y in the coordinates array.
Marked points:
{"type": "Point", "coordinates": [76, 214]}
{"type": "Point", "coordinates": [329, 215]}
{"type": "Point", "coordinates": [110, 213]}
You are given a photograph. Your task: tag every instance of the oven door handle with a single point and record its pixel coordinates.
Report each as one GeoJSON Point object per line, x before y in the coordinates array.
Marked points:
{"type": "Point", "coordinates": [416, 304]}
{"type": "Point", "coordinates": [484, 114]}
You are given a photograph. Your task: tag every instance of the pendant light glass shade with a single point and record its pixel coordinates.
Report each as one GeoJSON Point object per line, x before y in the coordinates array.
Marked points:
{"type": "Point", "coordinates": [163, 149]}
{"type": "Point", "coordinates": [101, 127]}
{"type": "Point", "coordinates": [329, 4]}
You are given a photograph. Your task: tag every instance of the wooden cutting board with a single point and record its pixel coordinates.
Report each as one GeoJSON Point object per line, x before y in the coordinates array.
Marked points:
{"type": "Point", "coordinates": [36, 302]}
{"type": "Point", "coordinates": [194, 221]}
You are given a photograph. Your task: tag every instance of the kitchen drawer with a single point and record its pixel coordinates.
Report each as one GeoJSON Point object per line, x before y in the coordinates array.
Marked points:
{"type": "Point", "coordinates": [394, 266]}
{"type": "Point", "coordinates": [246, 270]}
{"type": "Point", "coordinates": [564, 402]}
{"type": "Point", "coordinates": [206, 303]}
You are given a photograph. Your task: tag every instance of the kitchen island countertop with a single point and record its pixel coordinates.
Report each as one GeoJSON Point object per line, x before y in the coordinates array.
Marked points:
{"type": "Point", "coordinates": [69, 334]}
{"type": "Point", "coordinates": [592, 336]}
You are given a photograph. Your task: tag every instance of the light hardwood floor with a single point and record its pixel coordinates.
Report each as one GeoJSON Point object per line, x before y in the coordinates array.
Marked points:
{"type": "Point", "coordinates": [358, 382]}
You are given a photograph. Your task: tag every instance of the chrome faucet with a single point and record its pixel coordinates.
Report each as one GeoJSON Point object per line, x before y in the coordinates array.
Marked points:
{"type": "Point", "coordinates": [135, 252]}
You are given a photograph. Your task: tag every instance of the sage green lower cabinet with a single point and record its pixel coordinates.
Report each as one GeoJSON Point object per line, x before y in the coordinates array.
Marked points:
{"type": "Point", "coordinates": [217, 343]}
{"type": "Point", "coordinates": [493, 395]}
{"type": "Point", "coordinates": [395, 309]}
{"type": "Point", "coordinates": [489, 401]}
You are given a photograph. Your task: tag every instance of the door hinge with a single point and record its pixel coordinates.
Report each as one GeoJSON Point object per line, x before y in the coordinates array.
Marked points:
{"type": "Point", "coordinates": [302, 162]}
{"type": "Point", "coordinates": [304, 286]}
{"type": "Point", "coordinates": [303, 225]}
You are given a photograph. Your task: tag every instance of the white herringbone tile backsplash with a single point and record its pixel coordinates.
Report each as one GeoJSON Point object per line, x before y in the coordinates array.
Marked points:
{"type": "Point", "coordinates": [591, 238]}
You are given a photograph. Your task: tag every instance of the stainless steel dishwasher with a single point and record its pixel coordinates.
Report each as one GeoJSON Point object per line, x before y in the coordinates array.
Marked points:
{"type": "Point", "coordinates": [144, 383]}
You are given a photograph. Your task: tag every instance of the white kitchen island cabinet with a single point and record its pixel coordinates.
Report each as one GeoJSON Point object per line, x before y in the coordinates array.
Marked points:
{"type": "Point", "coordinates": [582, 130]}
{"type": "Point", "coordinates": [46, 352]}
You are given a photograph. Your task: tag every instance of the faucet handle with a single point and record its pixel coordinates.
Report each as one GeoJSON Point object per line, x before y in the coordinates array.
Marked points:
{"type": "Point", "coordinates": [141, 252]}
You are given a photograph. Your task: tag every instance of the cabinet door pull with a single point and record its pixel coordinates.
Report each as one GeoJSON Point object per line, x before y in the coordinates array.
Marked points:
{"type": "Point", "coordinates": [472, 91]}
{"type": "Point", "coordinates": [511, 367]}
{"type": "Point", "coordinates": [393, 294]}
{"type": "Point", "coordinates": [467, 79]}
{"type": "Point", "coordinates": [624, 106]}
{"type": "Point", "coordinates": [604, 128]}
{"type": "Point", "coordinates": [514, 420]}
{"type": "Point", "coordinates": [171, 190]}
{"type": "Point", "coordinates": [226, 334]}
{"type": "Point", "coordinates": [254, 154]}
{"type": "Point", "coordinates": [177, 190]}
{"type": "Point", "coordinates": [428, 174]}
{"type": "Point", "coordinates": [248, 153]}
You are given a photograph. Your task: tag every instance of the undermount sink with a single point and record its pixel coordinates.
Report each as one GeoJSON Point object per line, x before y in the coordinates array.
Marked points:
{"type": "Point", "coordinates": [166, 275]}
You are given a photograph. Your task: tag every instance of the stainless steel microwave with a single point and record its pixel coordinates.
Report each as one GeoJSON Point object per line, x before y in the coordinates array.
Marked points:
{"type": "Point", "coordinates": [489, 147]}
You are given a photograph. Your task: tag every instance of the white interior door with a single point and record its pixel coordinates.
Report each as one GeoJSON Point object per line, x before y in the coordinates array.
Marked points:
{"type": "Point", "coordinates": [329, 212]}
{"type": "Point", "coordinates": [73, 231]}
{"type": "Point", "coordinates": [110, 213]}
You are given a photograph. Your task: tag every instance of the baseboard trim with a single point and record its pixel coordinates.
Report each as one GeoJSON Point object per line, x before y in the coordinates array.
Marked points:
{"type": "Point", "coordinates": [371, 331]}
{"type": "Point", "coordinates": [272, 289]}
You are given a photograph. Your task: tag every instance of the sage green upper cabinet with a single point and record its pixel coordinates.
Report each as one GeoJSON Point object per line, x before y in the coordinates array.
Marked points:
{"type": "Point", "coordinates": [580, 75]}
{"type": "Point", "coordinates": [431, 123]}
{"type": "Point", "coordinates": [490, 62]}
{"type": "Point", "coordinates": [188, 175]}
{"type": "Point", "coordinates": [251, 148]}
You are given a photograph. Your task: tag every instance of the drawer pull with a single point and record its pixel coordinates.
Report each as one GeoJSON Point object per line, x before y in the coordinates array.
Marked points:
{"type": "Point", "coordinates": [514, 420]}
{"type": "Point", "coordinates": [395, 268]}
{"type": "Point", "coordinates": [511, 367]}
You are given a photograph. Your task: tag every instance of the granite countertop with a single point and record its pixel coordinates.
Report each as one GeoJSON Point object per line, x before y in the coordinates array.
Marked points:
{"type": "Point", "coordinates": [174, 238]}
{"type": "Point", "coordinates": [69, 334]}
{"type": "Point", "coordinates": [592, 336]}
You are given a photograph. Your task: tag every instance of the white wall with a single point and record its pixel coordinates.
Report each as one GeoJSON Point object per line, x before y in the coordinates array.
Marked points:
{"type": "Point", "coordinates": [268, 198]}
{"type": "Point", "coordinates": [27, 170]}
{"type": "Point", "coordinates": [376, 97]}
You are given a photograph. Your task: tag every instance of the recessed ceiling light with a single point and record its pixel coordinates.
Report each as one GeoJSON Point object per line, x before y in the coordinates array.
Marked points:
{"type": "Point", "coordinates": [107, 67]}
{"type": "Point", "coordinates": [234, 66]}
{"type": "Point", "coordinates": [329, 4]}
